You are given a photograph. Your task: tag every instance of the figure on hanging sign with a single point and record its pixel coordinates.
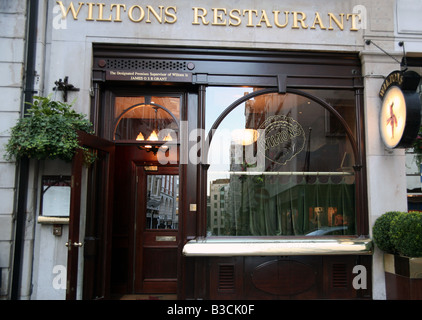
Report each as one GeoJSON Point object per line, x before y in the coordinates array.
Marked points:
{"type": "Point", "coordinates": [392, 120]}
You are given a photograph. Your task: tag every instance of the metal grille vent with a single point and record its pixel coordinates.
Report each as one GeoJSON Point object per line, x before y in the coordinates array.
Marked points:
{"type": "Point", "coordinates": [226, 277]}
{"type": "Point", "coordinates": [134, 64]}
{"type": "Point", "coordinates": [339, 279]}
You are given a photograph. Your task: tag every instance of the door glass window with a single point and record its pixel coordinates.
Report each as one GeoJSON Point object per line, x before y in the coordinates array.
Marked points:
{"type": "Point", "coordinates": [162, 210]}
{"type": "Point", "coordinates": [281, 164]}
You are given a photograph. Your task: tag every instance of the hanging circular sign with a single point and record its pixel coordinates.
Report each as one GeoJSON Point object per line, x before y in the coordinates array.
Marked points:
{"type": "Point", "coordinates": [393, 117]}
{"type": "Point", "coordinates": [400, 115]}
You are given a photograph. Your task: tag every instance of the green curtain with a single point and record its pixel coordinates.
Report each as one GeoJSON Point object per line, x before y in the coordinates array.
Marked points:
{"type": "Point", "coordinates": [274, 205]}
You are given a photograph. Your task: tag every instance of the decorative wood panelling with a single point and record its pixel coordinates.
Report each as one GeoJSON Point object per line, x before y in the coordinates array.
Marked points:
{"type": "Point", "coordinates": [289, 277]}
{"type": "Point", "coordinates": [283, 277]}
{"type": "Point", "coordinates": [226, 277]}
{"type": "Point", "coordinates": [340, 277]}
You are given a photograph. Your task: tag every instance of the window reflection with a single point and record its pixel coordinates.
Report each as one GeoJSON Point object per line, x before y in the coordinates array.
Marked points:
{"type": "Point", "coordinates": [162, 202]}
{"type": "Point", "coordinates": [291, 171]}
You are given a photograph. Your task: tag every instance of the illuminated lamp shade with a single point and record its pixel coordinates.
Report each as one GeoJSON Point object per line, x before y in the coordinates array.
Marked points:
{"type": "Point", "coordinates": [156, 143]}
{"type": "Point", "coordinates": [399, 118]}
{"type": "Point", "coordinates": [140, 137]}
{"type": "Point", "coordinates": [244, 136]}
{"type": "Point", "coordinates": [153, 136]}
{"type": "Point", "coordinates": [168, 138]}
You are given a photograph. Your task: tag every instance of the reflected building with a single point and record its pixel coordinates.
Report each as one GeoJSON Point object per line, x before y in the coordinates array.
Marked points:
{"type": "Point", "coordinates": [162, 202]}
{"type": "Point", "coordinates": [219, 199]}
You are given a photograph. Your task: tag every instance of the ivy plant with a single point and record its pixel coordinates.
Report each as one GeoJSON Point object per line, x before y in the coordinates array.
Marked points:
{"type": "Point", "coordinates": [48, 131]}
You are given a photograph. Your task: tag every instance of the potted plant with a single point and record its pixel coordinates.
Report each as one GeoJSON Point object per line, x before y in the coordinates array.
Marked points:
{"type": "Point", "coordinates": [49, 131]}
{"type": "Point", "coordinates": [399, 235]}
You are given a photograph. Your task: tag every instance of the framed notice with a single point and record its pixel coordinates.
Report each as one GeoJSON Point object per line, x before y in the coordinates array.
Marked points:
{"type": "Point", "coordinates": [149, 76]}
{"type": "Point", "coordinates": [55, 196]}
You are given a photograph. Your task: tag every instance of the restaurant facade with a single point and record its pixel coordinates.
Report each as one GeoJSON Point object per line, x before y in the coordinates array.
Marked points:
{"type": "Point", "coordinates": [238, 151]}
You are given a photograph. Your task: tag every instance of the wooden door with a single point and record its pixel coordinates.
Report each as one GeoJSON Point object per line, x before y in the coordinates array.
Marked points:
{"type": "Point", "coordinates": [97, 260]}
{"type": "Point", "coordinates": [156, 238]}
{"type": "Point", "coordinates": [97, 231]}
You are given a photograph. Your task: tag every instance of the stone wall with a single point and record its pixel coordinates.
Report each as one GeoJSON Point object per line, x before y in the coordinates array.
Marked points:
{"type": "Point", "coordinates": [12, 64]}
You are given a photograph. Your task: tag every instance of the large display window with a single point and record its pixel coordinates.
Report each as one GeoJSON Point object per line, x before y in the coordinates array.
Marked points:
{"type": "Point", "coordinates": [280, 164]}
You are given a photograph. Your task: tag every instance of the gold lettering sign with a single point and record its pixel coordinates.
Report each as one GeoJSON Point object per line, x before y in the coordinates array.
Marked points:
{"type": "Point", "coordinates": [394, 78]}
{"type": "Point", "coordinates": [259, 18]}
{"type": "Point", "coordinates": [113, 12]}
{"type": "Point", "coordinates": [148, 76]}
{"type": "Point", "coordinates": [219, 16]}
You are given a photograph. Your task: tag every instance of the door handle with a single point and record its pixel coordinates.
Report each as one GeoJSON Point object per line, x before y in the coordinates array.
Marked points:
{"type": "Point", "coordinates": [75, 244]}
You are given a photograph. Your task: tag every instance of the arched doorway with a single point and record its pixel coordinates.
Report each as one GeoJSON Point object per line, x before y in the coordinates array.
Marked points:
{"type": "Point", "coordinates": [146, 213]}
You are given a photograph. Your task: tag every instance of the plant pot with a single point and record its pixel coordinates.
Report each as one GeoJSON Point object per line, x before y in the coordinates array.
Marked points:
{"type": "Point", "coordinates": [403, 277]}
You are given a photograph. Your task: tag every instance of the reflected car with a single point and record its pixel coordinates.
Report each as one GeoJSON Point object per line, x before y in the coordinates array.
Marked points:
{"type": "Point", "coordinates": [326, 231]}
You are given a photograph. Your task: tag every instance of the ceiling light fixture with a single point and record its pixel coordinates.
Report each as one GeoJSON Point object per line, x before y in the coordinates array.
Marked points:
{"type": "Point", "coordinates": [153, 144]}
